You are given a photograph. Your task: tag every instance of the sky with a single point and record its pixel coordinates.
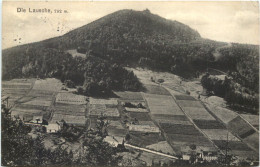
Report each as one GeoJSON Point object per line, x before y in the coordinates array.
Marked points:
{"type": "Point", "coordinates": [236, 21]}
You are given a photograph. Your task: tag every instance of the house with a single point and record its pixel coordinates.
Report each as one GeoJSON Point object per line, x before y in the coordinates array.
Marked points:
{"type": "Point", "coordinates": [186, 157]}
{"type": "Point", "coordinates": [37, 119]}
{"type": "Point", "coordinates": [209, 156]}
{"type": "Point", "coordinates": [53, 127]}
{"type": "Point", "coordinates": [114, 141]}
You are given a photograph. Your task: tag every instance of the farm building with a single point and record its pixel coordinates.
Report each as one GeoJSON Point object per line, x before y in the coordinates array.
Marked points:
{"type": "Point", "coordinates": [186, 157]}
{"type": "Point", "coordinates": [209, 156]}
{"type": "Point", "coordinates": [144, 126]}
{"type": "Point", "coordinates": [202, 156]}
{"type": "Point", "coordinates": [53, 128]}
{"type": "Point", "coordinates": [135, 109]}
{"type": "Point", "coordinates": [114, 141]}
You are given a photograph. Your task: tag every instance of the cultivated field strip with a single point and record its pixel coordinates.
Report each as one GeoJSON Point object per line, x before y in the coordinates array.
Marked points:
{"type": "Point", "coordinates": [15, 85]}
{"type": "Point", "coordinates": [48, 84]}
{"type": "Point", "coordinates": [245, 131]}
{"type": "Point", "coordinates": [173, 119]}
{"type": "Point", "coordinates": [252, 119]}
{"type": "Point", "coordinates": [207, 126]}
{"type": "Point", "coordinates": [70, 98]}
{"type": "Point", "coordinates": [111, 101]}
{"type": "Point", "coordinates": [162, 104]}
{"type": "Point", "coordinates": [40, 93]}
{"type": "Point", "coordinates": [70, 107]}
{"type": "Point", "coordinates": [187, 140]}
{"type": "Point", "coordinates": [240, 127]}
{"type": "Point", "coordinates": [189, 103]}
{"type": "Point", "coordinates": [223, 114]}
{"type": "Point", "coordinates": [198, 113]}
{"type": "Point", "coordinates": [177, 128]}
{"type": "Point", "coordinates": [139, 116]}
{"type": "Point", "coordinates": [16, 89]}
{"type": "Point", "coordinates": [184, 97]}
{"type": "Point", "coordinates": [144, 139]}
{"type": "Point", "coordinates": [39, 101]}
{"type": "Point", "coordinates": [156, 89]}
{"type": "Point", "coordinates": [220, 134]}
{"type": "Point", "coordinates": [69, 119]}
{"type": "Point", "coordinates": [96, 110]}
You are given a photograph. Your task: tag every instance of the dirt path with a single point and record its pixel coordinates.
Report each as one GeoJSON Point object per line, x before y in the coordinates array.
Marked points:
{"type": "Point", "coordinates": [150, 151]}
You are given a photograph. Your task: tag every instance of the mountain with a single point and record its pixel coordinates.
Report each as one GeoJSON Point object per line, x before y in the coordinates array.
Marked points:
{"type": "Point", "coordinates": [129, 38]}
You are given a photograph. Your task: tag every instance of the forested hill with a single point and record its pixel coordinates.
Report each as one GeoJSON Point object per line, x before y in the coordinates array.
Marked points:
{"type": "Point", "coordinates": [125, 38]}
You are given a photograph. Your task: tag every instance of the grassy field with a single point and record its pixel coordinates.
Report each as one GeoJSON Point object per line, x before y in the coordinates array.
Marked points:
{"type": "Point", "coordinates": [179, 129]}
{"type": "Point", "coordinates": [161, 104]}
{"type": "Point", "coordinates": [155, 89]}
{"type": "Point", "coordinates": [162, 146]}
{"type": "Point", "coordinates": [185, 139]}
{"type": "Point", "coordinates": [209, 124]}
{"type": "Point", "coordinates": [40, 93]}
{"type": "Point", "coordinates": [16, 85]}
{"type": "Point", "coordinates": [190, 103]}
{"type": "Point", "coordinates": [240, 127]}
{"type": "Point", "coordinates": [49, 84]}
{"type": "Point", "coordinates": [99, 109]}
{"type": "Point", "coordinates": [25, 99]}
{"type": "Point", "coordinates": [40, 101]}
{"type": "Point", "coordinates": [140, 116]}
{"type": "Point", "coordinates": [219, 134]}
{"type": "Point", "coordinates": [16, 89]}
{"type": "Point", "coordinates": [173, 119]}
{"type": "Point", "coordinates": [233, 145]}
{"type": "Point", "coordinates": [252, 119]}
{"type": "Point", "coordinates": [111, 101]}
{"type": "Point", "coordinates": [70, 107]}
{"type": "Point", "coordinates": [69, 119]}
{"type": "Point", "coordinates": [223, 114]}
{"type": "Point", "coordinates": [68, 112]}
{"type": "Point", "coordinates": [184, 97]}
{"type": "Point", "coordinates": [252, 140]}
{"type": "Point", "coordinates": [198, 113]}
{"type": "Point", "coordinates": [143, 139]}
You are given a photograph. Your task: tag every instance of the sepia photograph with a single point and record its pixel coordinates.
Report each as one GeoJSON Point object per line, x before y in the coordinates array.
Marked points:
{"type": "Point", "coordinates": [127, 83]}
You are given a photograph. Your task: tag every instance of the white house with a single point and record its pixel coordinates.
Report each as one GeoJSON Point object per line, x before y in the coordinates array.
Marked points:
{"type": "Point", "coordinates": [52, 128]}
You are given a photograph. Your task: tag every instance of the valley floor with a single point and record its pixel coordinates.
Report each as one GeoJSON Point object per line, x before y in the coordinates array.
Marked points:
{"type": "Point", "coordinates": [170, 119]}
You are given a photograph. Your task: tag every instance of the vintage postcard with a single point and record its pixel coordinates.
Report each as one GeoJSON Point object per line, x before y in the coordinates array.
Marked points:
{"type": "Point", "coordinates": [130, 83]}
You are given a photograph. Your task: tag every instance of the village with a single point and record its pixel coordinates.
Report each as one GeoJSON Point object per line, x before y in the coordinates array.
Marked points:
{"type": "Point", "coordinates": [163, 124]}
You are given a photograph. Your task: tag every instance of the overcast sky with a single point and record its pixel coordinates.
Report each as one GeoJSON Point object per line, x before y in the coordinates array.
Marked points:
{"type": "Point", "coordinates": [222, 21]}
